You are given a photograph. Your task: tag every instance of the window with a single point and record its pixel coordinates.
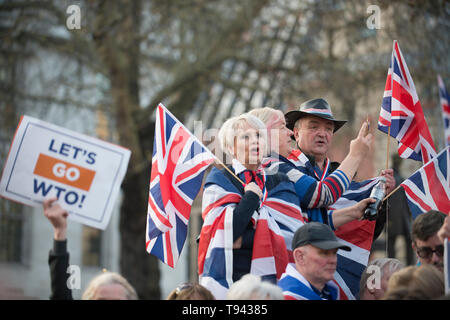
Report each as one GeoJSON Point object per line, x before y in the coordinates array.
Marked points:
{"type": "Point", "coordinates": [11, 231]}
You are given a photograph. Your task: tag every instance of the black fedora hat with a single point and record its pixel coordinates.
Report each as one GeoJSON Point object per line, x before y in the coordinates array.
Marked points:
{"type": "Point", "coordinates": [315, 107]}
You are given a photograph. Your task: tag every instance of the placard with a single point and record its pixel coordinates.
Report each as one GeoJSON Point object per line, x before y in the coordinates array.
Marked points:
{"type": "Point", "coordinates": [83, 172]}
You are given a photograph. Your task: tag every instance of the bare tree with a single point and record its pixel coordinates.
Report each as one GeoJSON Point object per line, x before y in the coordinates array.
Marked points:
{"type": "Point", "coordinates": [206, 59]}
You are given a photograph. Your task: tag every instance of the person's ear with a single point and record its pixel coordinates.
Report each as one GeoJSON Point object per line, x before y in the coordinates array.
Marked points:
{"type": "Point", "coordinates": [299, 256]}
{"type": "Point", "coordinates": [296, 133]}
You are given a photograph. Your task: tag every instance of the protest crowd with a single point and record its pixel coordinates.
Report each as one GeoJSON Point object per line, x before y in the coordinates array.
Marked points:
{"type": "Point", "coordinates": [274, 227]}
{"type": "Point", "coordinates": [280, 219]}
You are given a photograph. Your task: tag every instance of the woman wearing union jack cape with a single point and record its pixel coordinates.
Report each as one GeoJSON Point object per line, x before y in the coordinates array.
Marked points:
{"type": "Point", "coordinates": [247, 228]}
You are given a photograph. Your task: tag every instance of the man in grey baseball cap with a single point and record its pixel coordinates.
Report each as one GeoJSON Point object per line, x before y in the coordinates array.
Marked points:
{"type": "Point", "coordinates": [314, 249]}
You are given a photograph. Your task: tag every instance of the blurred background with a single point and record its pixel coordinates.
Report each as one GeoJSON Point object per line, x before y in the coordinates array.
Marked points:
{"type": "Point", "coordinates": [101, 68]}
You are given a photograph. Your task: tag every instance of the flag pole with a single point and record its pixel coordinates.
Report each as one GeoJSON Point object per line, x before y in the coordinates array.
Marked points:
{"type": "Point", "coordinates": [387, 145]}
{"type": "Point", "coordinates": [387, 205]}
{"type": "Point", "coordinates": [228, 169]}
{"type": "Point", "coordinates": [392, 192]}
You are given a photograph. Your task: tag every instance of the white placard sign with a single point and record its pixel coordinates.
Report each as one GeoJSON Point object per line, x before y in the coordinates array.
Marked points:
{"type": "Point", "coordinates": [84, 173]}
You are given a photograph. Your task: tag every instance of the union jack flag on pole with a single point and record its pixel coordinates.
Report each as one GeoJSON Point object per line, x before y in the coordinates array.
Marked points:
{"type": "Point", "coordinates": [429, 187]}
{"type": "Point", "coordinates": [178, 165]}
{"type": "Point", "coordinates": [445, 104]}
{"type": "Point", "coordinates": [402, 113]}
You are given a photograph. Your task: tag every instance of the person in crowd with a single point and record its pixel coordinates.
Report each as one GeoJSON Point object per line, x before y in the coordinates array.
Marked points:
{"type": "Point", "coordinates": [279, 141]}
{"type": "Point", "coordinates": [251, 287]}
{"type": "Point", "coordinates": [245, 225]}
{"type": "Point", "coordinates": [374, 279]}
{"type": "Point", "coordinates": [109, 286]}
{"type": "Point", "coordinates": [315, 249]}
{"type": "Point", "coordinates": [190, 291]}
{"type": "Point", "coordinates": [106, 286]}
{"type": "Point", "coordinates": [426, 242]}
{"type": "Point", "coordinates": [423, 282]}
{"type": "Point", "coordinates": [314, 126]}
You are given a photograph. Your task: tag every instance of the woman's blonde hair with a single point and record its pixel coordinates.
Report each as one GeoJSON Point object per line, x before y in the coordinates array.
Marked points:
{"type": "Point", "coordinates": [190, 291]}
{"type": "Point", "coordinates": [227, 132]}
{"type": "Point", "coordinates": [108, 278]}
{"type": "Point", "coordinates": [416, 283]}
{"type": "Point", "coordinates": [266, 114]}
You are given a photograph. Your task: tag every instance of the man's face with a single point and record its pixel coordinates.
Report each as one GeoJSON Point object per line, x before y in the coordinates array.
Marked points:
{"type": "Point", "coordinates": [424, 251]}
{"type": "Point", "coordinates": [314, 135]}
{"type": "Point", "coordinates": [279, 135]}
{"type": "Point", "coordinates": [317, 265]}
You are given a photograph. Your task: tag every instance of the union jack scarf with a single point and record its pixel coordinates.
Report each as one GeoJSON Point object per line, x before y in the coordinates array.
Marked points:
{"type": "Point", "coordinates": [275, 223]}
{"type": "Point", "coordinates": [296, 287]}
{"type": "Point", "coordinates": [356, 234]}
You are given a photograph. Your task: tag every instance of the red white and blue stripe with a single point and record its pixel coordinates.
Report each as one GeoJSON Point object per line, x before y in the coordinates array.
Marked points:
{"type": "Point", "coordinates": [429, 187]}
{"type": "Point", "coordinates": [402, 113]}
{"type": "Point", "coordinates": [296, 287]}
{"type": "Point", "coordinates": [445, 105]}
{"type": "Point", "coordinates": [316, 190]}
{"type": "Point", "coordinates": [178, 165]}
{"type": "Point", "coordinates": [275, 223]}
{"type": "Point", "coordinates": [358, 235]}
{"type": "Point", "coordinates": [322, 193]}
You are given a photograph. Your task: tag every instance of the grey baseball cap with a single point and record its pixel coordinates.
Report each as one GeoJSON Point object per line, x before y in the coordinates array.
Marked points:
{"type": "Point", "coordinates": [319, 235]}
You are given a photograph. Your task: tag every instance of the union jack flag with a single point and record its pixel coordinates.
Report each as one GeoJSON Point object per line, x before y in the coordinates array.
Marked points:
{"type": "Point", "coordinates": [178, 165]}
{"type": "Point", "coordinates": [358, 235]}
{"type": "Point", "coordinates": [402, 113]}
{"type": "Point", "coordinates": [429, 187]}
{"type": "Point", "coordinates": [275, 223]}
{"type": "Point", "coordinates": [445, 103]}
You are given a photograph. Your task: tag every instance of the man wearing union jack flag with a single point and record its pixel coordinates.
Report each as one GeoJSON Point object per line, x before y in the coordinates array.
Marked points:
{"type": "Point", "coordinates": [325, 188]}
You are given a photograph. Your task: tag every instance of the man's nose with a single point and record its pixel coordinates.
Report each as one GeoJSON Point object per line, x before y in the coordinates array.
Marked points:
{"type": "Point", "coordinates": [322, 132]}
{"type": "Point", "coordinates": [435, 257]}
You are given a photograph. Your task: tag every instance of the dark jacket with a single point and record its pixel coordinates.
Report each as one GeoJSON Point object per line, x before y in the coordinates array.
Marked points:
{"type": "Point", "coordinates": [58, 261]}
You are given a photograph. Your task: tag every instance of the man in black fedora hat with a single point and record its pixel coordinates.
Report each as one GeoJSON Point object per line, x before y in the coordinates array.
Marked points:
{"type": "Point", "coordinates": [314, 248]}
{"type": "Point", "coordinates": [314, 125]}
{"type": "Point", "coordinates": [319, 182]}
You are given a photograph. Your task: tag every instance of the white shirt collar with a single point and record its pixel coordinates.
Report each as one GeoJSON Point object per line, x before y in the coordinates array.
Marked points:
{"type": "Point", "coordinates": [237, 166]}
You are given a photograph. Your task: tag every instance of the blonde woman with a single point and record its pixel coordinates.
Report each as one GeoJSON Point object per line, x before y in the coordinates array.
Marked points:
{"type": "Point", "coordinates": [247, 228]}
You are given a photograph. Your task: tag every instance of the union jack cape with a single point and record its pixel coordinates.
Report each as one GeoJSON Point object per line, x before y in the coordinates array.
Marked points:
{"type": "Point", "coordinates": [445, 104]}
{"type": "Point", "coordinates": [356, 234]}
{"type": "Point", "coordinates": [402, 113]}
{"type": "Point", "coordinates": [275, 223]}
{"type": "Point", "coordinates": [429, 187]}
{"type": "Point", "coordinates": [178, 165]}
